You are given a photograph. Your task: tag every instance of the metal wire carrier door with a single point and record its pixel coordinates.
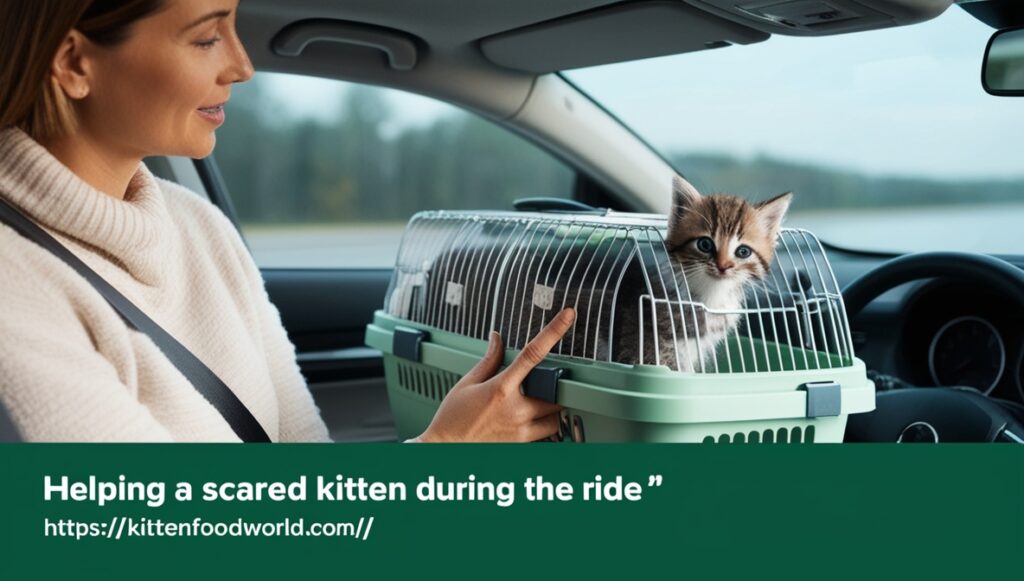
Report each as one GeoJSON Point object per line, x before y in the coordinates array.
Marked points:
{"type": "Point", "coordinates": [471, 272]}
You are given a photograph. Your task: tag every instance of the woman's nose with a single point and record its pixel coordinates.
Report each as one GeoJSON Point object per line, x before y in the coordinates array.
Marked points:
{"type": "Point", "coordinates": [241, 68]}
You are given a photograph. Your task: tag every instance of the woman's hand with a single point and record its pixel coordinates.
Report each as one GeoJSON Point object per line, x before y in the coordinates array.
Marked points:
{"type": "Point", "coordinates": [484, 407]}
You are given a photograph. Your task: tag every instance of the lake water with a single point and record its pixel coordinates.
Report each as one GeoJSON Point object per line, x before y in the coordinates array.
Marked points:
{"type": "Point", "coordinates": [995, 229]}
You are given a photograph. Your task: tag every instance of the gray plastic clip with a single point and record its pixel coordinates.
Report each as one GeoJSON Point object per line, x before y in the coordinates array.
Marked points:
{"type": "Point", "coordinates": [824, 398]}
{"type": "Point", "coordinates": [542, 382]}
{"type": "Point", "coordinates": [405, 343]}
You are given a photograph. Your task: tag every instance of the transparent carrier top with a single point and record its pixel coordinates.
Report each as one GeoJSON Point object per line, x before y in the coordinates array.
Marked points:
{"type": "Point", "coordinates": [469, 272]}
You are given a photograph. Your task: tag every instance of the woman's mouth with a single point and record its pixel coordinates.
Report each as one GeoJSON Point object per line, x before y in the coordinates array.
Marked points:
{"type": "Point", "coordinates": [214, 114]}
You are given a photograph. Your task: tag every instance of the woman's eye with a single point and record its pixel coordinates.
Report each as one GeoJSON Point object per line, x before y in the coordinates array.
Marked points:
{"type": "Point", "coordinates": [705, 245]}
{"type": "Point", "coordinates": [207, 44]}
{"type": "Point", "coordinates": [743, 251]}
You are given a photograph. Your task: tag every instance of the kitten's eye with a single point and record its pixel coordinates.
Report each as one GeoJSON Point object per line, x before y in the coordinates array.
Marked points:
{"type": "Point", "coordinates": [743, 251]}
{"type": "Point", "coordinates": [705, 245]}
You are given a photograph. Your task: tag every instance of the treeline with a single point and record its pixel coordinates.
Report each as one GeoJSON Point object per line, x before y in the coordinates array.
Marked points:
{"type": "Point", "coordinates": [823, 187]}
{"type": "Point", "coordinates": [358, 167]}
{"type": "Point", "coordinates": [351, 169]}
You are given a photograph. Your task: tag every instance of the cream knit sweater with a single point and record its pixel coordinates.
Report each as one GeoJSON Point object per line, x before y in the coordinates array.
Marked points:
{"type": "Point", "coordinates": [71, 370]}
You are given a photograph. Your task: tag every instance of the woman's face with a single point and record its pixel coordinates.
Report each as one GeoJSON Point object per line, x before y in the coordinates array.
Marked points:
{"type": "Point", "coordinates": [162, 90]}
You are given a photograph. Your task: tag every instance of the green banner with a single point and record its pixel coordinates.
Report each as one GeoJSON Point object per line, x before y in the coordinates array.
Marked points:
{"type": "Point", "coordinates": [526, 511]}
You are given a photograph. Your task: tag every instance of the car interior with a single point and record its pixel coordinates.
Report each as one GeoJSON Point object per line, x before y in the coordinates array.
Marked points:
{"type": "Point", "coordinates": [503, 61]}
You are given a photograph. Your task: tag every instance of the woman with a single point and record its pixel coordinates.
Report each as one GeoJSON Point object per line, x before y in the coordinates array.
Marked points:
{"type": "Point", "coordinates": [87, 89]}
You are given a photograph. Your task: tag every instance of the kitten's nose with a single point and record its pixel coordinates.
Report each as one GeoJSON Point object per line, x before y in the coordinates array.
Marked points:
{"type": "Point", "coordinates": [723, 267]}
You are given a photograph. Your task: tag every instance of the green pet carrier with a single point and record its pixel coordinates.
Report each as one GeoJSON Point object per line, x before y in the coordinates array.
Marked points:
{"type": "Point", "coordinates": [645, 359]}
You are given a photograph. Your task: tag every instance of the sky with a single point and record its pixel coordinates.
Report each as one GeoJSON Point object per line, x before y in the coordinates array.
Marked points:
{"type": "Point", "coordinates": [903, 101]}
{"type": "Point", "coordinates": [899, 101]}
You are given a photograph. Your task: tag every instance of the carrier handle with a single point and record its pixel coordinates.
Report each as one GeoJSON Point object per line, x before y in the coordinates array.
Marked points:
{"type": "Point", "coordinates": [556, 205]}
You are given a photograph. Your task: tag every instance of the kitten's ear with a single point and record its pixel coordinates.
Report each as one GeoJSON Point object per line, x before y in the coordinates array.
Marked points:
{"type": "Point", "coordinates": [684, 195]}
{"type": "Point", "coordinates": [771, 212]}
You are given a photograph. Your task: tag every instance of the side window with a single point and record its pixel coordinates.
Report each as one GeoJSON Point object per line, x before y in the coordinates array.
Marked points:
{"type": "Point", "coordinates": [325, 174]}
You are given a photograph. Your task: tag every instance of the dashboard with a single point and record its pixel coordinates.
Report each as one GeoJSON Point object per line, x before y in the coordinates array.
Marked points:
{"type": "Point", "coordinates": [946, 333]}
{"type": "Point", "coordinates": [960, 334]}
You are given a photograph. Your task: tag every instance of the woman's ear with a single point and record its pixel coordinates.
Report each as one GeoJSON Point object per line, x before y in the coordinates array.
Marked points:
{"type": "Point", "coordinates": [71, 67]}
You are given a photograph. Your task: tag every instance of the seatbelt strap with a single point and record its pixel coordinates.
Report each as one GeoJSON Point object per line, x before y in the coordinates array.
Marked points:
{"type": "Point", "coordinates": [206, 381]}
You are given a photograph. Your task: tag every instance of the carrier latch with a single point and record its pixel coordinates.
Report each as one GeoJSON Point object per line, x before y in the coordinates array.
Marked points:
{"type": "Point", "coordinates": [406, 341]}
{"type": "Point", "coordinates": [542, 382]}
{"type": "Point", "coordinates": [824, 398]}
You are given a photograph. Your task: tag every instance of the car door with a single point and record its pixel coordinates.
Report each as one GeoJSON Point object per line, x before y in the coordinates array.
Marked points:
{"type": "Point", "coordinates": [320, 176]}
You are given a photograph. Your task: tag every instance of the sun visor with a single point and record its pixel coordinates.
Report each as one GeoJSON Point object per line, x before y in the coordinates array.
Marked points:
{"type": "Point", "coordinates": [822, 17]}
{"type": "Point", "coordinates": [631, 31]}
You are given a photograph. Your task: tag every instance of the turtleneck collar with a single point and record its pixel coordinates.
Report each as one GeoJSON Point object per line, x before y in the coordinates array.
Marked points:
{"type": "Point", "coordinates": [133, 232]}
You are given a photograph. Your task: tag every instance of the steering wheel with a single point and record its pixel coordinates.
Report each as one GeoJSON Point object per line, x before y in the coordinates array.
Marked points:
{"type": "Point", "coordinates": [939, 414]}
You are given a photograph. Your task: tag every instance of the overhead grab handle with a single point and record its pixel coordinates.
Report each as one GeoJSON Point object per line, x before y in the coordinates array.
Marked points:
{"type": "Point", "coordinates": [399, 48]}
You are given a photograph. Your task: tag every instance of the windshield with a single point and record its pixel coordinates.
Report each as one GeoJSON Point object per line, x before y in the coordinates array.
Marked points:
{"type": "Point", "coordinates": [886, 137]}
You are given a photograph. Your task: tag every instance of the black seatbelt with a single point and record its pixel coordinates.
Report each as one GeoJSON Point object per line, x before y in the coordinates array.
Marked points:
{"type": "Point", "coordinates": [206, 381]}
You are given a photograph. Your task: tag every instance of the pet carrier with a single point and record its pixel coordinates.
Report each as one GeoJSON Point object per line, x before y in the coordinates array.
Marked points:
{"type": "Point", "coordinates": [645, 360]}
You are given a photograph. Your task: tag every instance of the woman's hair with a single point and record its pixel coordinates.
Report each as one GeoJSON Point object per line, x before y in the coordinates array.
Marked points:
{"type": "Point", "coordinates": [31, 32]}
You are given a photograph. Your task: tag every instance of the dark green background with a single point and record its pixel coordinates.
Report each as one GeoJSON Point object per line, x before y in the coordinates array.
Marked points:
{"type": "Point", "coordinates": [847, 511]}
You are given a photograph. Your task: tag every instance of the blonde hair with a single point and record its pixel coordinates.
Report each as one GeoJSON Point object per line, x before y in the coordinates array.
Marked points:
{"type": "Point", "coordinates": [31, 32]}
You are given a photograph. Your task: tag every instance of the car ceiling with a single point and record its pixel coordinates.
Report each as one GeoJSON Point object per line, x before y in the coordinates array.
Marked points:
{"type": "Point", "coordinates": [516, 38]}
{"type": "Point", "coordinates": [447, 29]}
{"type": "Point", "coordinates": [449, 64]}
{"type": "Point", "coordinates": [492, 56]}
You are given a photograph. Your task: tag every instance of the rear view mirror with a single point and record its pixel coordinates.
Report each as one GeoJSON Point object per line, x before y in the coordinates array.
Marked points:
{"type": "Point", "coordinates": [1002, 72]}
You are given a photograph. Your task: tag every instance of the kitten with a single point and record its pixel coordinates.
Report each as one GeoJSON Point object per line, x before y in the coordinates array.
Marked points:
{"type": "Point", "coordinates": [722, 244]}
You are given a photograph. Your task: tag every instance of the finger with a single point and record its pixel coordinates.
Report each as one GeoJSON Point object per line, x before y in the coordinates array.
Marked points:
{"type": "Point", "coordinates": [538, 408]}
{"type": "Point", "coordinates": [488, 366]}
{"type": "Point", "coordinates": [542, 427]}
{"type": "Point", "coordinates": [538, 348]}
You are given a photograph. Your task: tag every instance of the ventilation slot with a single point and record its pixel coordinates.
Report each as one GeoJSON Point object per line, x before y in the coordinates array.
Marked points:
{"type": "Point", "coordinates": [792, 435]}
{"type": "Point", "coordinates": [424, 381]}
